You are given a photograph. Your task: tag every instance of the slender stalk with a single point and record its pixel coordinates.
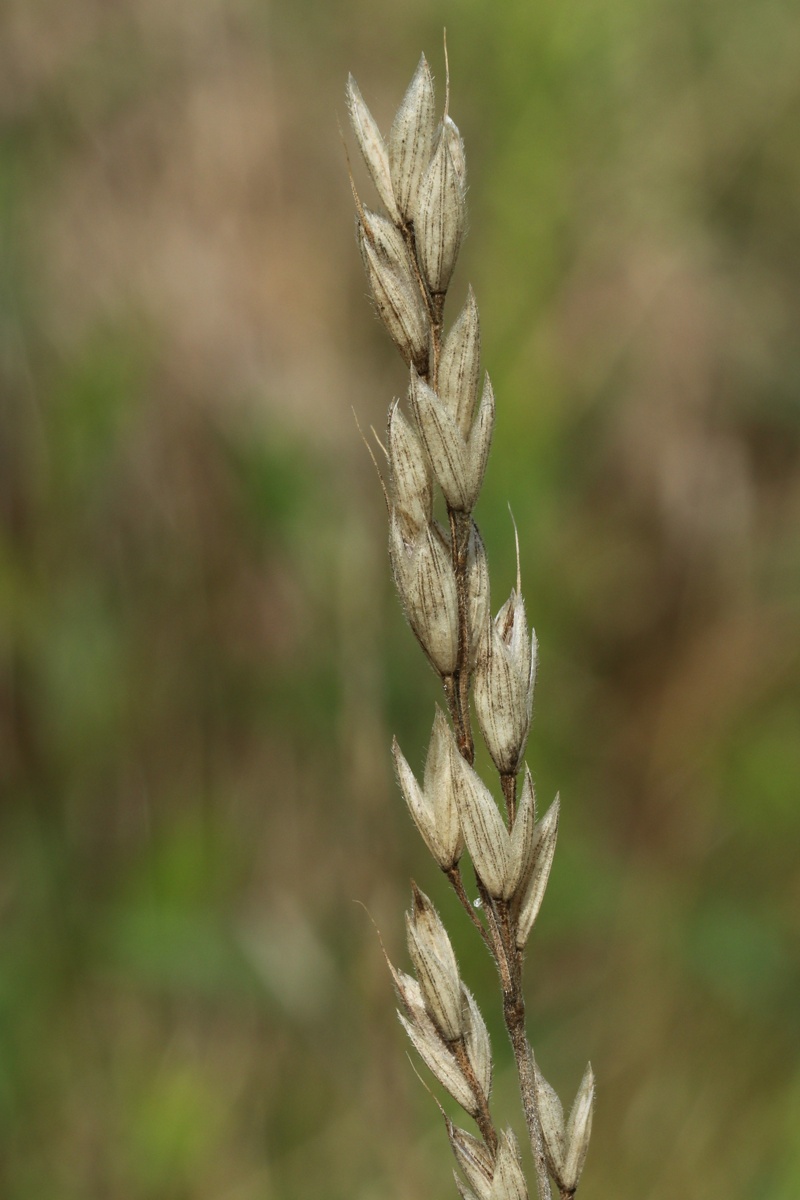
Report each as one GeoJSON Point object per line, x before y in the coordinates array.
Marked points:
{"type": "Point", "coordinates": [514, 1014]}
{"type": "Point", "coordinates": [503, 960]}
{"type": "Point", "coordinates": [483, 1117]}
{"type": "Point", "coordinates": [460, 530]}
{"type": "Point", "coordinates": [454, 875]}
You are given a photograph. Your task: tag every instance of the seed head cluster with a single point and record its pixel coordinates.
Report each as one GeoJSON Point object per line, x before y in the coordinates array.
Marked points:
{"type": "Point", "coordinates": [441, 439]}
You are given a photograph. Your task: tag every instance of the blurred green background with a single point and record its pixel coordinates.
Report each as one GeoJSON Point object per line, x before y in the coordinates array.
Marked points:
{"type": "Point", "coordinates": [201, 659]}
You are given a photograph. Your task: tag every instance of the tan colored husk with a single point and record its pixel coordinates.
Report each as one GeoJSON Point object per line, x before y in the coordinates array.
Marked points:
{"type": "Point", "coordinates": [442, 577]}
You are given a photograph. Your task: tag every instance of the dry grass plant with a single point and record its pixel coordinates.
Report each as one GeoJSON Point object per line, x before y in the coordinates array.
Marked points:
{"type": "Point", "coordinates": [442, 439]}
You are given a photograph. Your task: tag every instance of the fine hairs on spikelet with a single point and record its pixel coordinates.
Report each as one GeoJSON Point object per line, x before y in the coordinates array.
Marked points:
{"type": "Point", "coordinates": [440, 439]}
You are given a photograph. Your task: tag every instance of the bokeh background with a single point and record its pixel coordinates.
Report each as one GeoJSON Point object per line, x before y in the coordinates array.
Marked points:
{"type": "Point", "coordinates": [201, 659]}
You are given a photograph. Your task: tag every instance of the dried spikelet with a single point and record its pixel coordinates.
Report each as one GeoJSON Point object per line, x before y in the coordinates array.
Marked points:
{"type": "Point", "coordinates": [442, 577]}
